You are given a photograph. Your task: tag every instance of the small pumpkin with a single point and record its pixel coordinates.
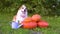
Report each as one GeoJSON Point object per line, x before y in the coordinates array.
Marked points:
{"type": "Point", "coordinates": [43, 24]}
{"type": "Point", "coordinates": [28, 19]}
{"type": "Point", "coordinates": [36, 17]}
{"type": "Point", "coordinates": [29, 25]}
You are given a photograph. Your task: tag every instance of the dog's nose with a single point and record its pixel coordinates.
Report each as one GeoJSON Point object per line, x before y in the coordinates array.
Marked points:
{"type": "Point", "coordinates": [25, 10]}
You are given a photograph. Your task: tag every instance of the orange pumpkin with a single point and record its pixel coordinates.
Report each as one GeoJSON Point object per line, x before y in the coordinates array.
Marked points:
{"type": "Point", "coordinates": [36, 17]}
{"type": "Point", "coordinates": [29, 25]}
{"type": "Point", "coordinates": [43, 24]}
{"type": "Point", "coordinates": [28, 19]}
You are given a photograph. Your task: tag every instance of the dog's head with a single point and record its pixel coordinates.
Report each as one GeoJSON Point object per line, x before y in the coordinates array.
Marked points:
{"type": "Point", "coordinates": [23, 9]}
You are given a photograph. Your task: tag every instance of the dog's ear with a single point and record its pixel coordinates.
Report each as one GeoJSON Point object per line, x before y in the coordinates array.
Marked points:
{"type": "Point", "coordinates": [23, 6]}
{"type": "Point", "coordinates": [20, 7]}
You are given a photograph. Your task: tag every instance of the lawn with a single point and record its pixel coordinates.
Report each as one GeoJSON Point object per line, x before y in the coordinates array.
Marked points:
{"type": "Point", "coordinates": [5, 28]}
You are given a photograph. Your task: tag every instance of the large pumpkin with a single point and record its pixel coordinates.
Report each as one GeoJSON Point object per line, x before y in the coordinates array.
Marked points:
{"type": "Point", "coordinates": [29, 25]}
{"type": "Point", "coordinates": [43, 24]}
{"type": "Point", "coordinates": [36, 17]}
{"type": "Point", "coordinates": [28, 19]}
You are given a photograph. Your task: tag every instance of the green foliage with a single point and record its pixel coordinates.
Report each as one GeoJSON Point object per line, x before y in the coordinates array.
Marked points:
{"type": "Point", "coordinates": [43, 7]}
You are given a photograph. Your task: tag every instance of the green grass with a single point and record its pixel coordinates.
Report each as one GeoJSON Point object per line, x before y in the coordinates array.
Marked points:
{"type": "Point", "coordinates": [5, 28]}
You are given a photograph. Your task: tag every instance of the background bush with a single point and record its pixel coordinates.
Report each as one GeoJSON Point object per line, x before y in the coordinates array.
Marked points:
{"type": "Point", "coordinates": [43, 7]}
